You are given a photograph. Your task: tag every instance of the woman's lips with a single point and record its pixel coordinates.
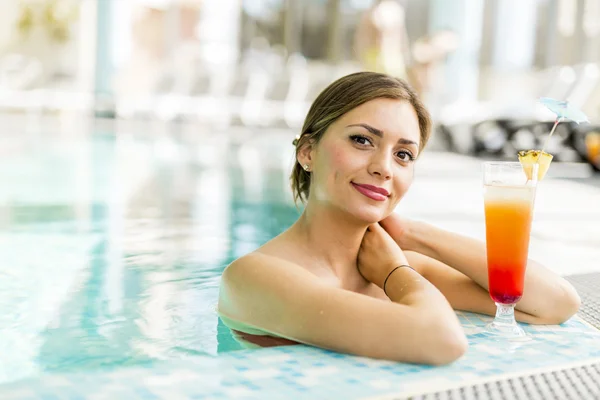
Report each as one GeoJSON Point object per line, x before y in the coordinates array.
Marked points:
{"type": "Point", "coordinates": [370, 191]}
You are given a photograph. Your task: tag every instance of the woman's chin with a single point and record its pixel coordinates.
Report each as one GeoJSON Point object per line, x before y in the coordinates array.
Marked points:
{"type": "Point", "coordinates": [369, 215]}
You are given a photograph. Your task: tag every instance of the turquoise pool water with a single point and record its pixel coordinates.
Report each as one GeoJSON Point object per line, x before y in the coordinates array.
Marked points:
{"type": "Point", "coordinates": [112, 246]}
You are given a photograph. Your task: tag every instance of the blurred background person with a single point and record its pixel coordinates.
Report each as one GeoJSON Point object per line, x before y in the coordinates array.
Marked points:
{"type": "Point", "coordinates": [381, 40]}
{"type": "Point", "coordinates": [429, 55]}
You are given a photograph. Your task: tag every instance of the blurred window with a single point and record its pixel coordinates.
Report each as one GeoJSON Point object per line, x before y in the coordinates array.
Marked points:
{"type": "Point", "coordinates": [567, 15]}
{"type": "Point", "coordinates": [591, 18]}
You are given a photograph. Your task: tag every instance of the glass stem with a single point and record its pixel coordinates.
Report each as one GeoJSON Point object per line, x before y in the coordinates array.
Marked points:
{"type": "Point", "coordinates": [505, 314]}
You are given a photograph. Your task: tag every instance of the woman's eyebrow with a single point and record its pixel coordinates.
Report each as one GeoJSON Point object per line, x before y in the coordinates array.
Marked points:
{"type": "Point", "coordinates": [374, 131]}
{"type": "Point", "coordinates": [379, 132]}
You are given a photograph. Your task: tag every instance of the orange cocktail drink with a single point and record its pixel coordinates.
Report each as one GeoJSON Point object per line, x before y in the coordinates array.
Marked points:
{"type": "Point", "coordinates": [508, 195]}
{"type": "Point", "coordinates": [508, 214]}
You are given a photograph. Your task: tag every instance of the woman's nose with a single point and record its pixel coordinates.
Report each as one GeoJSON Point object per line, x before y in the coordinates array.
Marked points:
{"type": "Point", "coordinates": [381, 166]}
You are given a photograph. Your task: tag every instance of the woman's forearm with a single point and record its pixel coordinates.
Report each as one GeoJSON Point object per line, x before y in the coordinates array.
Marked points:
{"type": "Point", "coordinates": [545, 293]}
{"type": "Point", "coordinates": [462, 253]}
{"type": "Point", "coordinates": [405, 286]}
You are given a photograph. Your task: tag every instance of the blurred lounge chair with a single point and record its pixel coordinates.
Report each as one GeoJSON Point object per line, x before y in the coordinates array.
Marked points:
{"type": "Point", "coordinates": [501, 129]}
{"type": "Point", "coordinates": [26, 87]}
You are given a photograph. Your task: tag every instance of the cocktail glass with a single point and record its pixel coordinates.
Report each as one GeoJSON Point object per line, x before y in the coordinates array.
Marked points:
{"type": "Point", "coordinates": [508, 198]}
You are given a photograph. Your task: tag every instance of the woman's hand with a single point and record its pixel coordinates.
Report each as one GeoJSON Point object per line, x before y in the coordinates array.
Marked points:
{"type": "Point", "coordinates": [398, 228]}
{"type": "Point", "coordinates": [378, 255]}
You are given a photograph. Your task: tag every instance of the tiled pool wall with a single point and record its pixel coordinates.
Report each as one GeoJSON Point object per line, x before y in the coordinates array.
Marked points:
{"type": "Point", "coordinates": [303, 372]}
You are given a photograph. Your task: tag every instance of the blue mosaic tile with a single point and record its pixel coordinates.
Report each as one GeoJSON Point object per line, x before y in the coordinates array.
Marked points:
{"type": "Point", "coordinates": [303, 372]}
{"type": "Point", "coordinates": [145, 394]}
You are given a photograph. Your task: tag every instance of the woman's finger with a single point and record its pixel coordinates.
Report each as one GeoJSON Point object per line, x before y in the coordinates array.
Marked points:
{"type": "Point", "coordinates": [376, 227]}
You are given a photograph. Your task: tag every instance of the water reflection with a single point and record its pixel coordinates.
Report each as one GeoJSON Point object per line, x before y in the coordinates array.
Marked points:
{"type": "Point", "coordinates": [160, 221]}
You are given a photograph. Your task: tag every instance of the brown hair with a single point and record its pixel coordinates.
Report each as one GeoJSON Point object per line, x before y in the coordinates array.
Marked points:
{"type": "Point", "coordinates": [342, 96]}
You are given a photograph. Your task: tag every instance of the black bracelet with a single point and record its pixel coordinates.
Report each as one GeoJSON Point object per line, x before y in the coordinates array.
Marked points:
{"type": "Point", "coordinates": [390, 274]}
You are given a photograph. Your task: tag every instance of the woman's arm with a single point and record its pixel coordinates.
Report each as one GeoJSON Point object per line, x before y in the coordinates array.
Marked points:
{"type": "Point", "coordinates": [285, 300]}
{"type": "Point", "coordinates": [547, 298]}
{"type": "Point", "coordinates": [461, 291]}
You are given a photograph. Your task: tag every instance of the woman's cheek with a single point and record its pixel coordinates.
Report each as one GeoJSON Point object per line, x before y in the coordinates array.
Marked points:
{"type": "Point", "coordinates": [405, 181]}
{"type": "Point", "coordinates": [339, 158]}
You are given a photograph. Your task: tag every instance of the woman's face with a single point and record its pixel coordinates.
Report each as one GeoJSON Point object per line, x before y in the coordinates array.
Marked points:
{"type": "Point", "coordinates": [365, 160]}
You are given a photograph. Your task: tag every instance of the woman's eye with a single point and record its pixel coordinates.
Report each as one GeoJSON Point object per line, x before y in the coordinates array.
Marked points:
{"type": "Point", "coordinates": [405, 156]}
{"type": "Point", "coordinates": [362, 140]}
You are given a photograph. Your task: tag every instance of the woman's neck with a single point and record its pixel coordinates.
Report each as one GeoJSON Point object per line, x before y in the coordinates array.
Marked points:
{"type": "Point", "coordinates": [331, 237]}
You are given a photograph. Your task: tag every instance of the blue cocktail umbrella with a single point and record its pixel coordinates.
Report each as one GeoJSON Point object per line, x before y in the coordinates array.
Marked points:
{"type": "Point", "coordinates": [564, 110]}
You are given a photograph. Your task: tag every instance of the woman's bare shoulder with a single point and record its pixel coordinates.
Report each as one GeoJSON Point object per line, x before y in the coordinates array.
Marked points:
{"type": "Point", "coordinates": [251, 281]}
{"type": "Point", "coordinates": [261, 264]}
{"type": "Point", "coordinates": [256, 258]}
{"type": "Point", "coordinates": [282, 247]}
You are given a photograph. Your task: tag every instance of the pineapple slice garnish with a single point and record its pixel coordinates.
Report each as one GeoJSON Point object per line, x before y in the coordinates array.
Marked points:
{"type": "Point", "coordinates": [528, 158]}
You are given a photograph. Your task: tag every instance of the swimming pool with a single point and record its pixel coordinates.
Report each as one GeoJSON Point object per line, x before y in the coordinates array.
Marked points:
{"type": "Point", "coordinates": [113, 243]}
{"type": "Point", "coordinates": [113, 236]}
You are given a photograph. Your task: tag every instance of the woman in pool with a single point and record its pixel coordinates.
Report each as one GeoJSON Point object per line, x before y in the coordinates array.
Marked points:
{"type": "Point", "coordinates": [331, 280]}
